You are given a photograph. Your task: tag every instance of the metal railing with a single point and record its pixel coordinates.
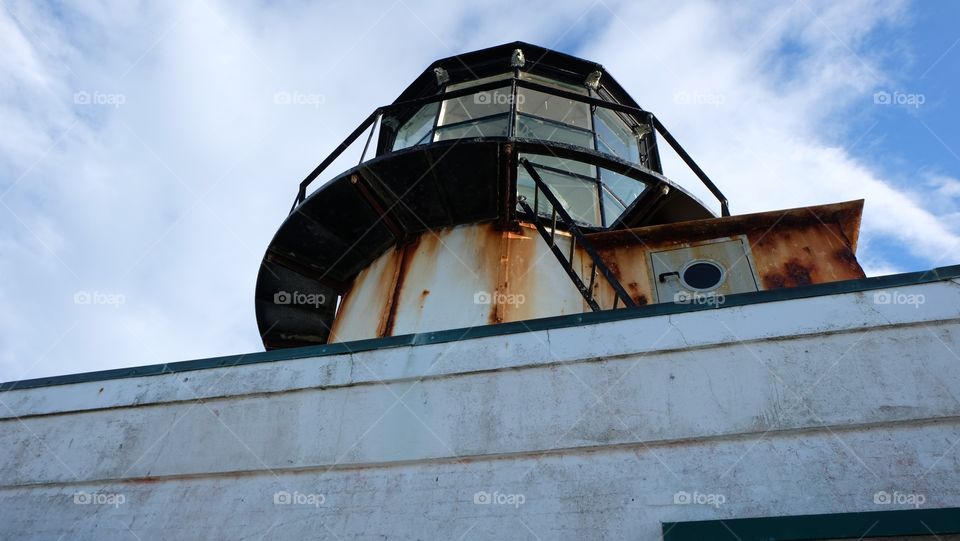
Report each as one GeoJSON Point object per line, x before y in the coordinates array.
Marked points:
{"type": "Point", "coordinates": [638, 114]}
{"type": "Point", "coordinates": [619, 294]}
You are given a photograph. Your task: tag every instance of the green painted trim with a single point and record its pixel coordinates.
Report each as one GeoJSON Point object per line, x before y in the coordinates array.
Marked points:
{"type": "Point", "coordinates": [502, 329]}
{"type": "Point", "coordinates": [818, 527]}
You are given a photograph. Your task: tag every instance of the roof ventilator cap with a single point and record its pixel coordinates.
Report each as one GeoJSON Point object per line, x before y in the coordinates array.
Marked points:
{"type": "Point", "coordinates": [517, 60]}
{"type": "Point", "coordinates": [593, 80]}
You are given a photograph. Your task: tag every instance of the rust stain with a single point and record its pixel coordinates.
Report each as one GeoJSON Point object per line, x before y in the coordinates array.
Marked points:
{"type": "Point", "coordinates": [633, 289]}
{"type": "Point", "coordinates": [148, 480]}
{"type": "Point", "coordinates": [614, 267]}
{"type": "Point", "coordinates": [798, 273]}
{"type": "Point", "coordinates": [636, 293]}
{"type": "Point", "coordinates": [362, 310]}
{"type": "Point", "coordinates": [845, 257]}
{"type": "Point", "coordinates": [808, 246]}
{"type": "Point", "coordinates": [389, 317]}
{"type": "Point", "coordinates": [492, 245]}
{"type": "Point", "coordinates": [793, 274]}
{"type": "Point", "coordinates": [419, 254]}
{"type": "Point", "coordinates": [774, 281]}
{"type": "Point", "coordinates": [388, 290]}
{"type": "Point", "coordinates": [498, 314]}
{"type": "Point", "coordinates": [423, 297]}
{"type": "Point", "coordinates": [534, 278]}
{"type": "Point", "coordinates": [501, 246]}
{"type": "Point", "coordinates": [791, 256]}
{"type": "Point", "coordinates": [846, 215]}
{"type": "Point", "coordinates": [628, 264]}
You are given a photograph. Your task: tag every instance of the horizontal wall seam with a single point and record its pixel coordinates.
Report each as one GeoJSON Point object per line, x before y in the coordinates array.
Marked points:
{"type": "Point", "coordinates": [640, 446]}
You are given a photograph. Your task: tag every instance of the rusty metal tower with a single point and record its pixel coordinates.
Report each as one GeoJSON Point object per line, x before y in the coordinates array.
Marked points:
{"type": "Point", "coordinates": [506, 184]}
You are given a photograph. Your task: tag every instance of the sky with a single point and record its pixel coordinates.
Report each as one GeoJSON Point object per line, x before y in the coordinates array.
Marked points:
{"type": "Point", "coordinates": [146, 162]}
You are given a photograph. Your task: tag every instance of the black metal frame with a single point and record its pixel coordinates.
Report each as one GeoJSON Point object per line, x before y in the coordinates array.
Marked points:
{"type": "Point", "coordinates": [638, 115]}
{"type": "Point", "coordinates": [907, 522]}
{"type": "Point", "coordinates": [577, 236]}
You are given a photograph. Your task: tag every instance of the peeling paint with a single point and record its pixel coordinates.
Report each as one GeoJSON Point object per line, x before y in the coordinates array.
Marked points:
{"type": "Point", "coordinates": [479, 274]}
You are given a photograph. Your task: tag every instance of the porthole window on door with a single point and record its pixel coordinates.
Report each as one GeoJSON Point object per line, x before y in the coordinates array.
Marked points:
{"type": "Point", "coordinates": [702, 275]}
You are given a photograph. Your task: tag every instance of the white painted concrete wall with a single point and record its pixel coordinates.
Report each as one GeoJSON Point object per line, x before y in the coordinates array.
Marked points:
{"type": "Point", "coordinates": [796, 407]}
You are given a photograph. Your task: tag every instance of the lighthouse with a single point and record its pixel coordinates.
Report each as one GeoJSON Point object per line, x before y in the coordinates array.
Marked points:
{"type": "Point", "coordinates": [504, 320]}
{"type": "Point", "coordinates": [517, 183]}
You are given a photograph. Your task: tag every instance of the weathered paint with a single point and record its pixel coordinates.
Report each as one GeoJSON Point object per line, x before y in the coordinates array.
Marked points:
{"type": "Point", "coordinates": [450, 265]}
{"type": "Point", "coordinates": [798, 256]}
{"type": "Point", "coordinates": [431, 283]}
{"type": "Point", "coordinates": [786, 248]}
{"type": "Point", "coordinates": [374, 287]}
{"type": "Point", "coordinates": [733, 254]}
{"type": "Point", "coordinates": [459, 277]}
{"type": "Point", "coordinates": [535, 277]}
{"type": "Point", "coordinates": [628, 264]}
{"type": "Point", "coordinates": [846, 215]}
{"type": "Point", "coordinates": [805, 406]}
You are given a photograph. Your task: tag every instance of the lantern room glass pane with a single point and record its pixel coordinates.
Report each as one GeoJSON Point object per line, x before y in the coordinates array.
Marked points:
{"type": "Point", "coordinates": [612, 208]}
{"type": "Point", "coordinates": [486, 127]}
{"type": "Point", "coordinates": [578, 196]}
{"type": "Point", "coordinates": [559, 85]}
{"type": "Point", "coordinates": [624, 187]}
{"type": "Point", "coordinates": [615, 137]}
{"type": "Point", "coordinates": [475, 106]}
{"type": "Point", "coordinates": [562, 164]}
{"type": "Point", "coordinates": [535, 128]}
{"type": "Point", "coordinates": [417, 129]}
{"type": "Point", "coordinates": [555, 108]}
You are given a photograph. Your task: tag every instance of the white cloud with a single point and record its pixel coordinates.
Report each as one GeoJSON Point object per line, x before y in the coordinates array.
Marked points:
{"type": "Point", "coordinates": [768, 134]}
{"type": "Point", "coordinates": [171, 197]}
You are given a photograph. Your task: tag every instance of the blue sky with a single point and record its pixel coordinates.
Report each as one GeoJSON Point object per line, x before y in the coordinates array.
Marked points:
{"type": "Point", "coordinates": [145, 164]}
{"type": "Point", "coordinates": [912, 143]}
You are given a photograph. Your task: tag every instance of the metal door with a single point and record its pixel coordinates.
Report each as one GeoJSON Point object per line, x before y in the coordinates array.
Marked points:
{"type": "Point", "coordinates": [705, 272]}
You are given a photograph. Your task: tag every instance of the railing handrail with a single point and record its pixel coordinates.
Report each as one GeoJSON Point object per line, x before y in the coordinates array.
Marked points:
{"type": "Point", "coordinates": [558, 210]}
{"type": "Point", "coordinates": [637, 112]}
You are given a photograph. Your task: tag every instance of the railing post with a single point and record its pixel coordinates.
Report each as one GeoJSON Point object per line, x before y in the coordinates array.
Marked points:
{"type": "Point", "coordinates": [687, 159]}
{"type": "Point", "coordinates": [373, 128]}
